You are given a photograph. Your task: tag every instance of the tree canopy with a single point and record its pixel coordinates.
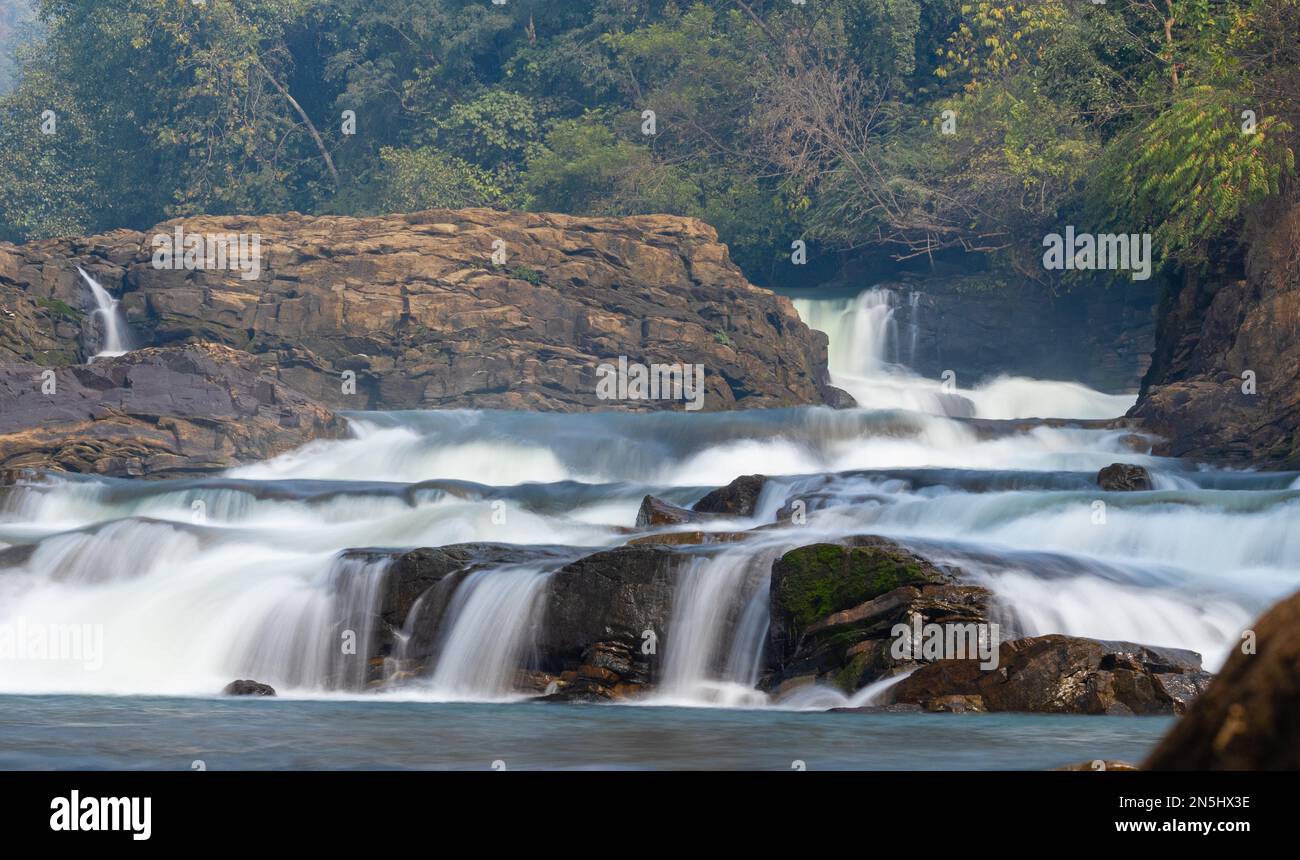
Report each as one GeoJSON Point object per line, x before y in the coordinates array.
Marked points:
{"type": "Point", "coordinates": [903, 129]}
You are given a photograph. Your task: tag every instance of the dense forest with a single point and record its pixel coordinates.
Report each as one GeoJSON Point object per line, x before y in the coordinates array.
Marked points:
{"type": "Point", "coordinates": [894, 129]}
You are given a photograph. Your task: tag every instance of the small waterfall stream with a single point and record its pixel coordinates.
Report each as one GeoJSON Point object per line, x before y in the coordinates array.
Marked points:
{"type": "Point", "coordinates": [719, 624]}
{"type": "Point", "coordinates": [492, 621]}
{"type": "Point", "coordinates": [113, 325]}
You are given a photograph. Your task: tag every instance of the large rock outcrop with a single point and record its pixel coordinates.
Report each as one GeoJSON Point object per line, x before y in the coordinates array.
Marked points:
{"type": "Point", "coordinates": [415, 306]}
{"type": "Point", "coordinates": [1249, 718]}
{"type": "Point", "coordinates": [171, 412]}
{"type": "Point", "coordinates": [1224, 384]}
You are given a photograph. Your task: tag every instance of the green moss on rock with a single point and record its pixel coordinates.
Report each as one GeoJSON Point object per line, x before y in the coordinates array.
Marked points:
{"type": "Point", "coordinates": [815, 581]}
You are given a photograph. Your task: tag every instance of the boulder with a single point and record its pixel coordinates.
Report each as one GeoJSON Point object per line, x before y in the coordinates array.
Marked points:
{"type": "Point", "coordinates": [1065, 675]}
{"type": "Point", "coordinates": [834, 606]}
{"type": "Point", "coordinates": [1249, 717]}
{"type": "Point", "coordinates": [164, 412]}
{"type": "Point", "coordinates": [1124, 477]}
{"type": "Point", "coordinates": [248, 688]}
{"type": "Point", "coordinates": [737, 499]}
{"type": "Point", "coordinates": [656, 512]}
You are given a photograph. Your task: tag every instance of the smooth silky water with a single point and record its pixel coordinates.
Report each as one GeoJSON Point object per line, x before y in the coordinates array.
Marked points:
{"type": "Point", "coordinates": [195, 583]}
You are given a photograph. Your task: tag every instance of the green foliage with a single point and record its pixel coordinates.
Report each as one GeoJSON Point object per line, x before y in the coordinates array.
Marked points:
{"type": "Point", "coordinates": [773, 121]}
{"type": "Point", "coordinates": [1188, 175]}
{"type": "Point", "coordinates": [413, 179]}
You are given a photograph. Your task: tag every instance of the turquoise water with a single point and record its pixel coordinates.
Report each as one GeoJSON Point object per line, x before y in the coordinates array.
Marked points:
{"type": "Point", "coordinates": [154, 733]}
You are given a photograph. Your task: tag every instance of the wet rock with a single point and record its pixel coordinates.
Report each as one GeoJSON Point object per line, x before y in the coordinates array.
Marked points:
{"type": "Point", "coordinates": [737, 499]}
{"type": "Point", "coordinates": [248, 688]}
{"type": "Point", "coordinates": [609, 611]}
{"type": "Point", "coordinates": [656, 512]}
{"type": "Point", "coordinates": [1124, 477]}
{"type": "Point", "coordinates": [834, 607]}
{"type": "Point", "coordinates": [1249, 717]}
{"type": "Point", "coordinates": [954, 705]}
{"type": "Point", "coordinates": [609, 671]}
{"type": "Point", "coordinates": [164, 412]}
{"type": "Point", "coordinates": [1065, 675]}
{"type": "Point", "coordinates": [418, 588]}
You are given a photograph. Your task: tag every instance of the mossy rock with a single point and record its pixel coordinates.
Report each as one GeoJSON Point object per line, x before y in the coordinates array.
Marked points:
{"type": "Point", "coordinates": [815, 581]}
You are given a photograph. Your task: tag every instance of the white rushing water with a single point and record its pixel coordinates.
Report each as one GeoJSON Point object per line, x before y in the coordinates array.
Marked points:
{"type": "Point", "coordinates": [192, 584]}
{"type": "Point", "coordinates": [868, 360]}
{"type": "Point", "coordinates": [111, 321]}
{"type": "Point", "coordinates": [495, 615]}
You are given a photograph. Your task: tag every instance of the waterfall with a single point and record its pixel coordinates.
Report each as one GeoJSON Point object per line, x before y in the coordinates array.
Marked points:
{"type": "Point", "coordinates": [714, 650]}
{"type": "Point", "coordinates": [111, 321]}
{"type": "Point", "coordinates": [491, 625]}
{"type": "Point", "coordinates": [319, 636]}
{"type": "Point", "coordinates": [864, 358]}
{"type": "Point", "coordinates": [862, 330]}
{"type": "Point", "coordinates": [913, 324]}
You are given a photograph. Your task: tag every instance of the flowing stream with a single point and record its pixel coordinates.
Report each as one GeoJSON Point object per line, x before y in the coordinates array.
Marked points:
{"type": "Point", "coordinates": [112, 323]}
{"type": "Point", "coordinates": [195, 583]}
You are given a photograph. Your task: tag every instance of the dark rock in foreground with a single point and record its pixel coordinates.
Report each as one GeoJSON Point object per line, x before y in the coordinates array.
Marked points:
{"type": "Point", "coordinates": [1249, 718]}
{"type": "Point", "coordinates": [1065, 675]}
{"type": "Point", "coordinates": [1124, 477]}
{"type": "Point", "coordinates": [248, 688]}
{"type": "Point", "coordinates": [160, 413]}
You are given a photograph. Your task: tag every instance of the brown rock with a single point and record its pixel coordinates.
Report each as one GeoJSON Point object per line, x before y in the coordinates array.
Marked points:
{"type": "Point", "coordinates": [1249, 717]}
{"type": "Point", "coordinates": [1063, 674]}
{"type": "Point", "coordinates": [737, 499]}
{"type": "Point", "coordinates": [159, 412]}
{"type": "Point", "coordinates": [1224, 383]}
{"type": "Point", "coordinates": [657, 512]}
{"type": "Point", "coordinates": [415, 307]}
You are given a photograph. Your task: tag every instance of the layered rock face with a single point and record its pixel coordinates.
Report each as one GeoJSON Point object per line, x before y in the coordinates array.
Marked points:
{"type": "Point", "coordinates": [1225, 380]}
{"type": "Point", "coordinates": [421, 311]}
{"type": "Point", "coordinates": [171, 412]}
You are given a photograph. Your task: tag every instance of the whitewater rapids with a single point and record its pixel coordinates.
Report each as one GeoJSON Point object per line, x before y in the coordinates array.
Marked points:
{"type": "Point", "coordinates": [195, 583]}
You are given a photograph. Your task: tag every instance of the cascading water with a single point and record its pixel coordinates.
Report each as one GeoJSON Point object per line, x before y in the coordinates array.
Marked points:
{"type": "Point", "coordinates": [719, 624]}
{"type": "Point", "coordinates": [493, 620]}
{"type": "Point", "coordinates": [260, 586]}
{"type": "Point", "coordinates": [113, 324]}
{"type": "Point", "coordinates": [864, 359]}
